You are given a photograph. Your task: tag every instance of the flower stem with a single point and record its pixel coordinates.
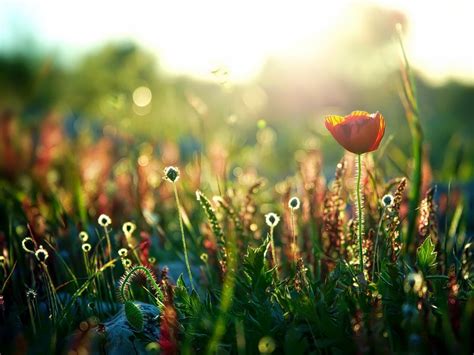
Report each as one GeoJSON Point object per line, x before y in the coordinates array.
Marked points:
{"type": "Point", "coordinates": [293, 231]}
{"type": "Point", "coordinates": [178, 205]}
{"type": "Point", "coordinates": [272, 244]}
{"type": "Point", "coordinates": [360, 214]}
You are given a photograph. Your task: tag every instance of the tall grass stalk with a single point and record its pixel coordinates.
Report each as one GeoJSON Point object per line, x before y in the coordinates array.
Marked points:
{"type": "Point", "coordinates": [227, 295]}
{"type": "Point", "coordinates": [293, 232]}
{"type": "Point", "coordinates": [375, 263]}
{"type": "Point", "coordinates": [32, 308]}
{"type": "Point", "coordinates": [410, 103]}
{"type": "Point", "coordinates": [54, 303]}
{"type": "Point", "coordinates": [183, 239]}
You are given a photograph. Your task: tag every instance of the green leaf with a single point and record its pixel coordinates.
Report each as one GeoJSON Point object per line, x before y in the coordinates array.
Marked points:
{"type": "Point", "coordinates": [426, 256]}
{"type": "Point", "coordinates": [134, 315]}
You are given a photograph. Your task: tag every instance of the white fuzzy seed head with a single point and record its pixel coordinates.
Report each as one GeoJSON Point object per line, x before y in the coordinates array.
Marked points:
{"type": "Point", "coordinates": [28, 245]}
{"type": "Point", "coordinates": [41, 254]}
{"type": "Point", "coordinates": [272, 219]}
{"type": "Point", "coordinates": [104, 220]}
{"type": "Point", "coordinates": [126, 263]}
{"type": "Point", "coordinates": [294, 203]}
{"type": "Point", "coordinates": [387, 200]}
{"type": "Point", "coordinates": [128, 228]}
{"type": "Point", "coordinates": [171, 173]}
{"type": "Point", "coordinates": [83, 236]}
{"type": "Point", "coordinates": [123, 252]}
{"type": "Point", "coordinates": [86, 247]}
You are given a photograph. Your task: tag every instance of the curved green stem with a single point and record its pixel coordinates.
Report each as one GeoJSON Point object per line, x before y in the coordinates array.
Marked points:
{"type": "Point", "coordinates": [126, 281]}
{"type": "Point", "coordinates": [185, 248]}
{"type": "Point", "coordinates": [360, 214]}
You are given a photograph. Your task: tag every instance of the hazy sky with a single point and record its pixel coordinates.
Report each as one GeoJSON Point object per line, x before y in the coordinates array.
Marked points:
{"type": "Point", "coordinates": [194, 37]}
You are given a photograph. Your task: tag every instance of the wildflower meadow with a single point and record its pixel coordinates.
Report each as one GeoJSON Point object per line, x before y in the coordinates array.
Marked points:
{"type": "Point", "coordinates": [174, 226]}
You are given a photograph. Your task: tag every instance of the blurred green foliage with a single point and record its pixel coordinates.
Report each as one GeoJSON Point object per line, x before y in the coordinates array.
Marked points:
{"type": "Point", "coordinates": [291, 99]}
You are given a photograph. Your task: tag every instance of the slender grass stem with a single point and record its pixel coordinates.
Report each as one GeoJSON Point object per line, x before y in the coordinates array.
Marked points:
{"type": "Point", "coordinates": [109, 245]}
{"type": "Point", "coordinates": [293, 232]}
{"type": "Point", "coordinates": [51, 293]}
{"type": "Point", "coordinates": [228, 289]}
{"type": "Point", "coordinates": [32, 315]}
{"type": "Point", "coordinates": [376, 247]}
{"type": "Point", "coordinates": [360, 212]}
{"type": "Point", "coordinates": [185, 249]}
{"type": "Point", "coordinates": [410, 103]}
{"type": "Point", "coordinates": [272, 244]}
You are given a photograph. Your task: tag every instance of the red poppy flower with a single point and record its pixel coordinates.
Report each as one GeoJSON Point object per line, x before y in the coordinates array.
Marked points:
{"type": "Point", "coordinates": [359, 132]}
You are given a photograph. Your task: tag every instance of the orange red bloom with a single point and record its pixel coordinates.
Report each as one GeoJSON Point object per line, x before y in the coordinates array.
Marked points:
{"type": "Point", "coordinates": [359, 132]}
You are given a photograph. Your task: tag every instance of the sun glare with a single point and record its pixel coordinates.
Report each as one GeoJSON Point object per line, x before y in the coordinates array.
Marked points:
{"type": "Point", "coordinates": [196, 37]}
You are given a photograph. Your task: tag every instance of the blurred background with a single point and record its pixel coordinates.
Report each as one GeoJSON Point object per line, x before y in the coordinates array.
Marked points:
{"type": "Point", "coordinates": [247, 83]}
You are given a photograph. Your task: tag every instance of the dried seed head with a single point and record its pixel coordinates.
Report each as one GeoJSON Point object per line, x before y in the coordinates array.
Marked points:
{"type": "Point", "coordinates": [86, 247]}
{"type": "Point", "coordinates": [272, 219]}
{"type": "Point", "coordinates": [204, 257]}
{"type": "Point", "coordinates": [41, 254]}
{"type": "Point", "coordinates": [123, 252]}
{"type": "Point", "coordinates": [413, 283]}
{"type": "Point", "coordinates": [387, 200]}
{"type": "Point", "coordinates": [31, 294]}
{"type": "Point", "coordinates": [104, 220]}
{"type": "Point", "coordinates": [428, 221]}
{"type": "Point", "coordinates": [128, 228]}
{"type": "Point", "coordinates": [171, 174]}
{"type": "Point", "coordinates": [28, 245]}
{"type": "Point", "coordinates": [83, 236]}
{"type": "Point", "coordinates": [294, 203]}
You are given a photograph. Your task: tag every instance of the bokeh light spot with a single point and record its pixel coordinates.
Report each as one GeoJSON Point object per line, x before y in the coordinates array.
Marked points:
{"type": "Point", "coordinates": [142, 96]}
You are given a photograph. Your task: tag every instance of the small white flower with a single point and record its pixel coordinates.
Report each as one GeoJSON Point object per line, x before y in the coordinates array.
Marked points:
{"type": "Point", "coordinates": [104, 220]}
{"type": "Point", "coordinates": [171, 173]}
{"type": "Point", "coordinates": [123, 252]}
{"type": "Point", "coordinates": [294, 203]}
{"type": "Point", "coordinates": [83, 236]}
{"type": "Point", "coordinates": [41, 254]}
{"type": "Point", "coordinates": [86, 247]}
{"type": "Point", "coordinates": [272, 219]}
{"type": "Point", "coordinates": [128, 228]}
{"type": "Point", "coordinates": [28, 245]}
{"type": "Point", "coordinates": [387, 200]}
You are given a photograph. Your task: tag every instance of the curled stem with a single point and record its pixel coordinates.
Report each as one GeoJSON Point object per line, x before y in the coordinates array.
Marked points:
{"type": "Point", "coordinates": [127, 279]}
